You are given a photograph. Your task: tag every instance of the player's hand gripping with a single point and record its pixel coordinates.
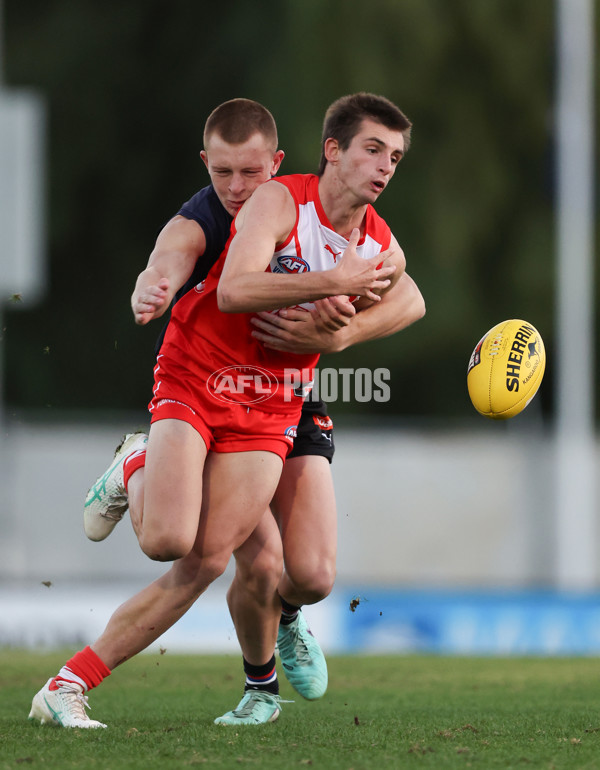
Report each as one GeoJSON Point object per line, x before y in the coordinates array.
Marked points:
{"type": "Point", "coordinates": [295, 330]}
{"type": "Point", "coordinates": [150, 298]}
{"type": "Point", "coordinates": [333, 313]}
{"type": "Point", "coordinates": [360, 277]}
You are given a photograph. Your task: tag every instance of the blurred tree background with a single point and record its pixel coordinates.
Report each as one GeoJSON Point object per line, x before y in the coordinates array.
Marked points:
{"type": "Point", "coordinates": [128, 85]}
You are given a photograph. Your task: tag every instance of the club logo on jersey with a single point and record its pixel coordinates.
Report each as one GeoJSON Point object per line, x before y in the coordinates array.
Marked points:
{"type": "Point", "coordinates": [291, 264]}
{"type": "Point", "coordinates": [242, 384]}
{"type": "Point", "coordinates": [334, 254]}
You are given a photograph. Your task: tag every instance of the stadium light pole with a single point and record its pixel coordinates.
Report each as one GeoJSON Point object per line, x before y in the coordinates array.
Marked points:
{"type": "Point", "coordinates": [1, 309]}
{"type": "Point", "coordinates": [1, 43]}
{"type": "Point", "coordinates": [575, 431]}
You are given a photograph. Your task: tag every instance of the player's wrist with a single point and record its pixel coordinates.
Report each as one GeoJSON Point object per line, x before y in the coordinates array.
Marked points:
{"type": "Point", "coordinates": [338, 340]}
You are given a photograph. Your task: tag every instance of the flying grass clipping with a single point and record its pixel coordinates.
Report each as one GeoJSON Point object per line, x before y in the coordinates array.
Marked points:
{"type": "Point", "coordinates": [506, 369]}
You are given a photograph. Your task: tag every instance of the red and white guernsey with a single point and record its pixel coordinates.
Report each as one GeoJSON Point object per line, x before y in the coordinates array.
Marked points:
{"type": "Point", "coordinates": [313, 244]}
{"type": "Point", "coordinates": [207, 350]}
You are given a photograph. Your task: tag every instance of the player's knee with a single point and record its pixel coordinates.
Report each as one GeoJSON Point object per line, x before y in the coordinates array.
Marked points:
{"type": "Point", "coordinates": [318, 587]}
{"type": "Point", "coordinates": [314, 585]}
{"type": "Point", "coordinates": [165, 546]}
{"type": "Point", "coordinates": [261, 576]}
{"type": "Point", "coordinates": [267, 572]}
{"type": "Point", "coordinates": [214, 566]}
{"type": "Point", "coordinates": [196, 571]}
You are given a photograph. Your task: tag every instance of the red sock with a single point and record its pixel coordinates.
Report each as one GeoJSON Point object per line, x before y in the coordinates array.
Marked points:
{"type": "Point", "coordinates": [134, 462]}
{"type": "Point", "coordinates": [85, 668]}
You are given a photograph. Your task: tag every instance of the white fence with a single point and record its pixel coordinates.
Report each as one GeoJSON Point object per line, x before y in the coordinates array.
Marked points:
{"type": "Point", "coordinates": [418, 509]}
{"type": "Point", "coordinates": [416, 506]}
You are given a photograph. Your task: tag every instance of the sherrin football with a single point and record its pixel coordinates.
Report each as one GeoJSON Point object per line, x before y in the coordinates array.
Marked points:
{"type": "Point", "coordinates": [506, 369]}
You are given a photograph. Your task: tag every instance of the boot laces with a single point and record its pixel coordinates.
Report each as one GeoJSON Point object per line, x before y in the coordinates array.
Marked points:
{"type": "Point", "coordinates": [298, 645]}
{"type": "Point", "coordinates": [76, 702]}
{"type": "Point", "coordinates": [255, 695]}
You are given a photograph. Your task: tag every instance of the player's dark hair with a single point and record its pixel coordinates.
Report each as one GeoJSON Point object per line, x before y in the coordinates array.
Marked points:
{"type": "Point", "coordinates": [237, 120]}
{"type": "Point", "coordinates": [345, 116]}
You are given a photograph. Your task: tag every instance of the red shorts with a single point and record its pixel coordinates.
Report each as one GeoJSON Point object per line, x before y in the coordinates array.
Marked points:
{"type": "Point", "coordinates": [232, 427]}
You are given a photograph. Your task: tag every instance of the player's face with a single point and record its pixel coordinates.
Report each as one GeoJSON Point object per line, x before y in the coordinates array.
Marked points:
{"type": "Point", "coordinates": [370, 161]}
{"type": "Point", "coordinates": [236, 170]}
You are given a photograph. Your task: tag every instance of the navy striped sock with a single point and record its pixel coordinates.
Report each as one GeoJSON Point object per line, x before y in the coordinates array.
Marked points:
{"type": "Point", "coordinates": [289, 612]}
{"type": "Point", "coordinates": [261, 677]}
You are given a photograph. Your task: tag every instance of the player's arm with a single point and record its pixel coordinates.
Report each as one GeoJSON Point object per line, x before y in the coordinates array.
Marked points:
{"type": "Point", "coordinates": [177, 248]}
{"type": "Point", "coordinates": [400, 307]}
{"type": "Point", "coordinates": [331, 327]}
{"type": "Point", "coordinates": [266, 220]}
{"type": "Point", "coordinates": [402, 304]}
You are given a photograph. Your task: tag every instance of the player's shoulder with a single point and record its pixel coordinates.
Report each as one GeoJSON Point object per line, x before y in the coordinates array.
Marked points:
{"type": "Point", "coordinates": [206, 196]}
{"type": "Point", "coordinates": [270, 206]}
{"type": "Point", "coordinates": [303, 187]}
{"type": "Point", "coordinates": [274, 195]}
{"type": "Point", "coordinates": [206, 210]}
{"type": "Point", "coordinates": [378, 229]}
{"type": "Point", "coordinates": [205, 206]}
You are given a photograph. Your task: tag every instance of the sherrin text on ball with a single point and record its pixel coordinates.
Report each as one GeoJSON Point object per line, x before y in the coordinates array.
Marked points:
{"type": "Point", "coordinates": [506, 369]}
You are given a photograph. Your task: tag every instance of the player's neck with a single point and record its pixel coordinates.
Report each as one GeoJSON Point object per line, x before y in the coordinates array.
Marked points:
{"type": "Point", "coordinates": [343, 211]}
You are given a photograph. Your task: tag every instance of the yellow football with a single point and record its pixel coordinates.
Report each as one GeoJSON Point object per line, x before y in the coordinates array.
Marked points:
{"type": "Point", "coordinates": [506, 369]}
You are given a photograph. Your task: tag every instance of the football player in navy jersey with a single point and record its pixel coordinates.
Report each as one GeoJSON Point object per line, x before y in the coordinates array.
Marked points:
{"type": "Point", "coordinates": [263, 603]}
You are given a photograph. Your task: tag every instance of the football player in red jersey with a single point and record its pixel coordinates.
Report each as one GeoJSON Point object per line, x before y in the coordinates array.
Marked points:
{"type": "Point", "coordinates": [172, 480]}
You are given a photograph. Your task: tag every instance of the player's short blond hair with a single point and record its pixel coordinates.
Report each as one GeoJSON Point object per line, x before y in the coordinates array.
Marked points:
{"type": "Point", "coordinates": [237, 120]}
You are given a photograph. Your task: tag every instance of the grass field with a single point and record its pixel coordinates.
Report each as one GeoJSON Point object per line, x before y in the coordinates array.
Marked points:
{"type": "Point", "coordinates": [379, 713]}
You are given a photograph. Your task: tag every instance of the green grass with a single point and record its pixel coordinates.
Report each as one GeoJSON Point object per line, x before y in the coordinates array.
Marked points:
{"type": "Point", "coordinates": [379, 713]}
